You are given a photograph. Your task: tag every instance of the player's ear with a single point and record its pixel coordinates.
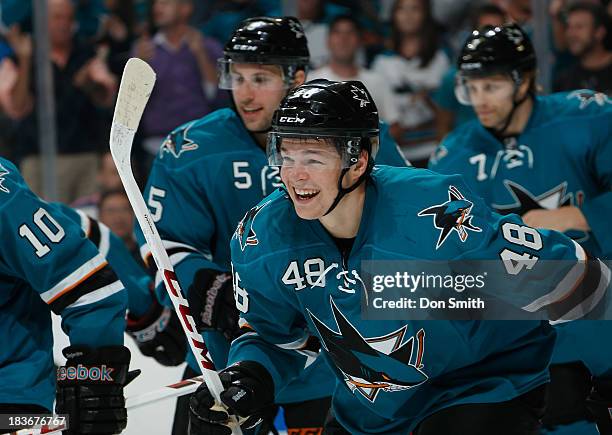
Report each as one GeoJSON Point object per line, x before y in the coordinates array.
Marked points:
{"type": "Point", "coordinates": [299, 78]}
{"type": "Point", "coordinates": [362, 164]}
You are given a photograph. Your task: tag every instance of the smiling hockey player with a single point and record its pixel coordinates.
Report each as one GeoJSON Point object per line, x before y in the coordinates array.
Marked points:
{"type": "Point", "coordinates": [211, 171]}
{"type": "Point", "coordinates": [297, 257]}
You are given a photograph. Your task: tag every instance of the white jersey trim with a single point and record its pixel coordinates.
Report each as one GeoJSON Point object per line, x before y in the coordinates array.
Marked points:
{"type": "Point", "coordinates": [97, 295]}
{"type": "Point", "coordinates": [72, 280]}
{"type": "Point", "coordinates": [565, 286]}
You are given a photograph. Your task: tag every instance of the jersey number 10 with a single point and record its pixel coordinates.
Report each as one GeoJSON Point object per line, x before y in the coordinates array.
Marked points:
{"type": "Point", "coordinates": [41, 217]}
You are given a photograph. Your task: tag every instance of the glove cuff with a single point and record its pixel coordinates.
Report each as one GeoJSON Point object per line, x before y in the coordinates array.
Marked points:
{"type": "Point", "coordinates": [107, 364]}
{"type": "Point", "coordinates": [253, 370]}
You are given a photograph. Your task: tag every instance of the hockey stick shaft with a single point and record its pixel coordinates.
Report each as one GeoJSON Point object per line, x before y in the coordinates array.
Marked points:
{"type": "Point", "coordinates": [134, 91]}
{"type": "Point", "coordinates": [178, 389]}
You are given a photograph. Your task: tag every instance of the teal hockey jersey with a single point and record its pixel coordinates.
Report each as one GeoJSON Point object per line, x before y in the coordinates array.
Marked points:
{"type": "Point", "coordinates": [134, 277]}
{"type": "Point", "coordinates": [207, 175]}
{"type": "Point", "coordinates": [291, 281]}
{"type": "Point", "coordinates": [48, 264]}
{"type": "Point", "coordinates": [563, 157]}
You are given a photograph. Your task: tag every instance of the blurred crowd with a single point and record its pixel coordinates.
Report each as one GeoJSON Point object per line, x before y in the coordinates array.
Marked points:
{"type": "Point", "coordinates": [403, 50]}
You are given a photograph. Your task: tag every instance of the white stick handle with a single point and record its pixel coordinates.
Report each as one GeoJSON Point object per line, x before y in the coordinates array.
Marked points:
{"type": "Point", "coordinates": [136, 86]}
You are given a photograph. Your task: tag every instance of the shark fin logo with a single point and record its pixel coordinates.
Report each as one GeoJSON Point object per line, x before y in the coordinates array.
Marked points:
{"type": "Point", "coordinates": [453, 215]}
{"type": "Point", "coordinates": [524, 200]}
{"type": "Point", "coordinates": [3, 172]}
{"type": "Point", "coordinates": [371, 365]}
{"type": "Point", "coordinates": [177, 142]}
{"type": "Point", "coordinates": [586, 97]}
{"type": "Point", "coordinates": [245, 233]}
{"type": "Point", "coordinates": [360, 95]}
{"type": "Point", "coordinates": [296, 28]}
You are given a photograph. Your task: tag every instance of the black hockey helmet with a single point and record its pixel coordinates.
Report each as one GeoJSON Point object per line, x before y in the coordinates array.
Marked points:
{"type": "Point", "coordinates": [492, 50]}
{"type": "Point", "coordinates": [495, 50]}
{"type": "Point", "coordinates": [343, 111]}
{"type": "Point", "coordinates": [266, 40]}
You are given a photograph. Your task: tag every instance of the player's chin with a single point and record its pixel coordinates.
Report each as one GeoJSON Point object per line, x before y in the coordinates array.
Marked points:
{"type": "Point", "coordinates": [487, 121]}
{"type": "Point", "coordinates": [310, 211]}
{"type": "Point", "coordinates": [308, 215]}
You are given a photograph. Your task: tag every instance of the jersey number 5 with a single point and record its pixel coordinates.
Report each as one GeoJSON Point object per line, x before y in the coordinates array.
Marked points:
{"type": "Point", "coordinates": [41, 219]}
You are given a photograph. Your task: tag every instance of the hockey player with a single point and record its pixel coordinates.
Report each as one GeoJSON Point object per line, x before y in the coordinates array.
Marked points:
{"type": "Point", "coordinates": [297, 258]}
{"type": "Point", "coordinates": [47, 265]}
{"type": "Point", "coordinates": [210, 172]}
{"type": "Point", "coordinates": [548, 159]}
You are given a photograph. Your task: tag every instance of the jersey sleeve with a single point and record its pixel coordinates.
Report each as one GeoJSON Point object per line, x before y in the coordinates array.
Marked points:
{"type": "Point", "coordinates": [134, 277]}
{"type": "Point", "coordinates": [597, 210]}
{"type": "Point", "coordinates": [182, 211]}
{"type": "Point", "coordinates": [539, 271]}
{"type": "Point", "coordinates": [48, 250]}
{"type": "Point", "coordinates": [389, 152]}
{"type": "Point", "coordinates": [273, 329]}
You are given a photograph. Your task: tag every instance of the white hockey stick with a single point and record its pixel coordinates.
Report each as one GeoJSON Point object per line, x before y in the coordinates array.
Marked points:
{"type": "Point", "coordinates": [178, 389]}
{"type": "Point", "coordinates": [136, 86]}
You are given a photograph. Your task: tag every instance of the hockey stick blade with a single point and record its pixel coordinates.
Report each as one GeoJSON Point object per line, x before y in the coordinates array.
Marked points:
{"type": "Point", "coordinates": [134, 91]}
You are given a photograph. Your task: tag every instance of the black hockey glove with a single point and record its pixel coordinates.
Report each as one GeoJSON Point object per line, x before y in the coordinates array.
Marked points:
{"type": "Point", "coordinates": [90, 389]}
{"type": "Point", "coordinates": [211, 298]}
{"type": "Point", "coordinates": [159, 334]}
{"type": "Point", "coordinates": [599, 404]}
{"type": "Point", "coordinates": [248, 393]}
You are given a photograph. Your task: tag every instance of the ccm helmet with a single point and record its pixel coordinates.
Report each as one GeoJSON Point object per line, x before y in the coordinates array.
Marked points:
{"type": "Point", "coordinates": [495, 50]}
{"type": "Point", "coordinates": [268, 41]}
{"type": "Point", "coordinates": [343, 113]}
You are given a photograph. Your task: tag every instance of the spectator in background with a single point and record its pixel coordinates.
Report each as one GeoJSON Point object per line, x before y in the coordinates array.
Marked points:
{"type": "Point", "coordinates": [586, 30]}
{"type": "Point", "coordinates": [413, 69]}
{"type": "Point", "coordinates": [518, 11]}
{"type": "Point", "coordinates": [185, 64]}
{"type": "Point", "coordinates": [311, 14]}
{"type": "Point", "coordinates": [344, 42]}
{"type": "Point", "coordinates": [116, 213]}
{"type": "Point", "coordinates": [82, 85]}
{"type": "Point", "coordinates": [221, 17]}
{"type": "Point", "coordinates": [117, 36]}
{"type": "Point", "coordinates": [107, 179]}
{"type": "Point", "coordinates": [450, 113]}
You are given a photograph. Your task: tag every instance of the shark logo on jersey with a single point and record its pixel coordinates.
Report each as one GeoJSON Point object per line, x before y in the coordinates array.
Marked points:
{"type": "Point", "coordinates": [371, 365]}
{"type": "Point", "coordinates": [453, 215]}
{"type": "Point", "coordinates": [587, 97]}
{"type": "Point", "coordinates": [360, 95]}
{"type": "Point", "coordinates": [525, 200]}
{"type": "Point", "coordinates": [245, 233]}
{"type": "Point", "coordinates": [3, 172]}
{"type": "Point", "coordinates": [177, 142]}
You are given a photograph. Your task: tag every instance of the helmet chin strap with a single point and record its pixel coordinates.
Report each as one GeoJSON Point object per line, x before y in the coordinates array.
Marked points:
{"type": "Point", "coordinates": [342, 191]}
